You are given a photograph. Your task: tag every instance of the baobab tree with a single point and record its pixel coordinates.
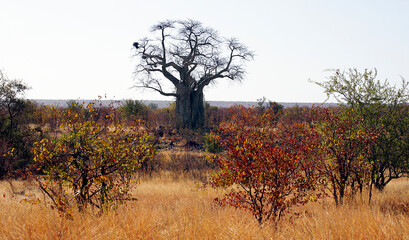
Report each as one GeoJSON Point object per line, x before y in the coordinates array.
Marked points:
{"type": "Point", "coordinates": [182, 58]}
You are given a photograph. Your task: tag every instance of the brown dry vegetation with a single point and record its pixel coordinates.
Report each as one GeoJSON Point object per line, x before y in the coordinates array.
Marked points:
{"type": "Point", "coordinates": [169, 208]}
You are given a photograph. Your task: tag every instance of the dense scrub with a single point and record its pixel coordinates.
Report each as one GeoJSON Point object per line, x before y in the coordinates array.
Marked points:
{"type": "Point", "coordinates": [278, 168]}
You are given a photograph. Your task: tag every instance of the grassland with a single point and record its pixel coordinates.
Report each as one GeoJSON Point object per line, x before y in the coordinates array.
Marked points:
{"type": "Point", "coordinates": [170, 208]}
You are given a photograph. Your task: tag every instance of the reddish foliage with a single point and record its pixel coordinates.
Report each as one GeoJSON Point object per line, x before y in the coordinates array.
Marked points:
{"type": "Point", "coordinates": [267, 165]}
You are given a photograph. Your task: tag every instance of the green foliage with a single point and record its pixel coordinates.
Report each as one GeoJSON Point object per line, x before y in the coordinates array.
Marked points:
{"type": "Point", "coordinates": [153, 106]}
{"type": "Point", "coordinates": [382, 108]}
{"type": "Point", "coordinates": [91, 162]}
{"type": "Point", "coordinates": [15, 134]}
{"type": "Point", "coordinates": [262, 105]}
{"type": "Point", "coordinates": [134, 109]}
{"type": "Point", "coordinates": [73, 106]}
{"type": "Point", "coordinates": [211, 145]}
{"type": "Point", "coordinates": [131, 109]}
{"type": "Point", "coordinates": [11, 104]}
{"type": "Point", "coordinates": [277, 108]}
{"type": "Point", "coordinates": [358, 89]}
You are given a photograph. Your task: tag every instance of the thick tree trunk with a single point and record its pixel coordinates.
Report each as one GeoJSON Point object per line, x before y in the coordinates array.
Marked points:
{"type": "Point", "coordinates": [190, 108]}
{"type": "Point", "coordinates": [197, 110]}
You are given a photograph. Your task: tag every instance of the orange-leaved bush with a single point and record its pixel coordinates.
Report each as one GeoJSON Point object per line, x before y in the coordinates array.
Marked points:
{"type": "Point", "coordinates": [345, 145]}
{"type": "Point", "coordinates": [267, 167]}
{"type": "Point", "coordinates": [91, 162]}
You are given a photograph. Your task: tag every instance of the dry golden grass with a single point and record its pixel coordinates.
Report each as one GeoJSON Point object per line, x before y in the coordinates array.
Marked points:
{"type": "Point", "coordinates": [176, 209]}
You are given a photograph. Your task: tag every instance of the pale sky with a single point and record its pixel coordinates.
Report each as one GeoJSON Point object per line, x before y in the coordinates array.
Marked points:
{"type": "Point", "coordinates": [80, 49]}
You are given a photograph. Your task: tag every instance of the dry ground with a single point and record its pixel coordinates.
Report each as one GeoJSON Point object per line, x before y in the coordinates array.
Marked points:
{"type": "Point", "coordinates": [177, 209]}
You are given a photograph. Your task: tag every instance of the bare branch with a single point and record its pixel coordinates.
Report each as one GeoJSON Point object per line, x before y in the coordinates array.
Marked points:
{"type": "Point", "coordinates": [190, 55]}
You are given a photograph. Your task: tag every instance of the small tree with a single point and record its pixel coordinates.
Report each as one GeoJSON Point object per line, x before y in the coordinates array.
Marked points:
{"type": "Point", "coordinates": [345, 144]}
{"type": "Point", "coordinates": [262, 105]}
{"type": "Point", "coordinates": [134, 109]}
{"type": "Point", "coordinates": [91, 162]}
{"type": "Point", "coordinates": [14, 131]}
{"type": "Point", "coordinates": [266, 166]}
{"type": "Point", "coordinates": [11, 92]}
{"type": "Point", "coordinates": [382, 108]}
{"type": "Point", "coordinates": [74, 105]}
{"type": "Point", "coordinates": [190, 57]}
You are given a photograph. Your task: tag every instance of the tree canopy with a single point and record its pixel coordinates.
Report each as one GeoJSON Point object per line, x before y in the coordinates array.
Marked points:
{"type": "Point", "coordinates": [382, 108]}
{"type": "Point", "coordinates": [182, 58]}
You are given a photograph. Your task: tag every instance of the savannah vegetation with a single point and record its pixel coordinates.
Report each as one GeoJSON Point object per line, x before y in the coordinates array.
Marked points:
{"type": "Point", "coordinates": [131, 171]}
